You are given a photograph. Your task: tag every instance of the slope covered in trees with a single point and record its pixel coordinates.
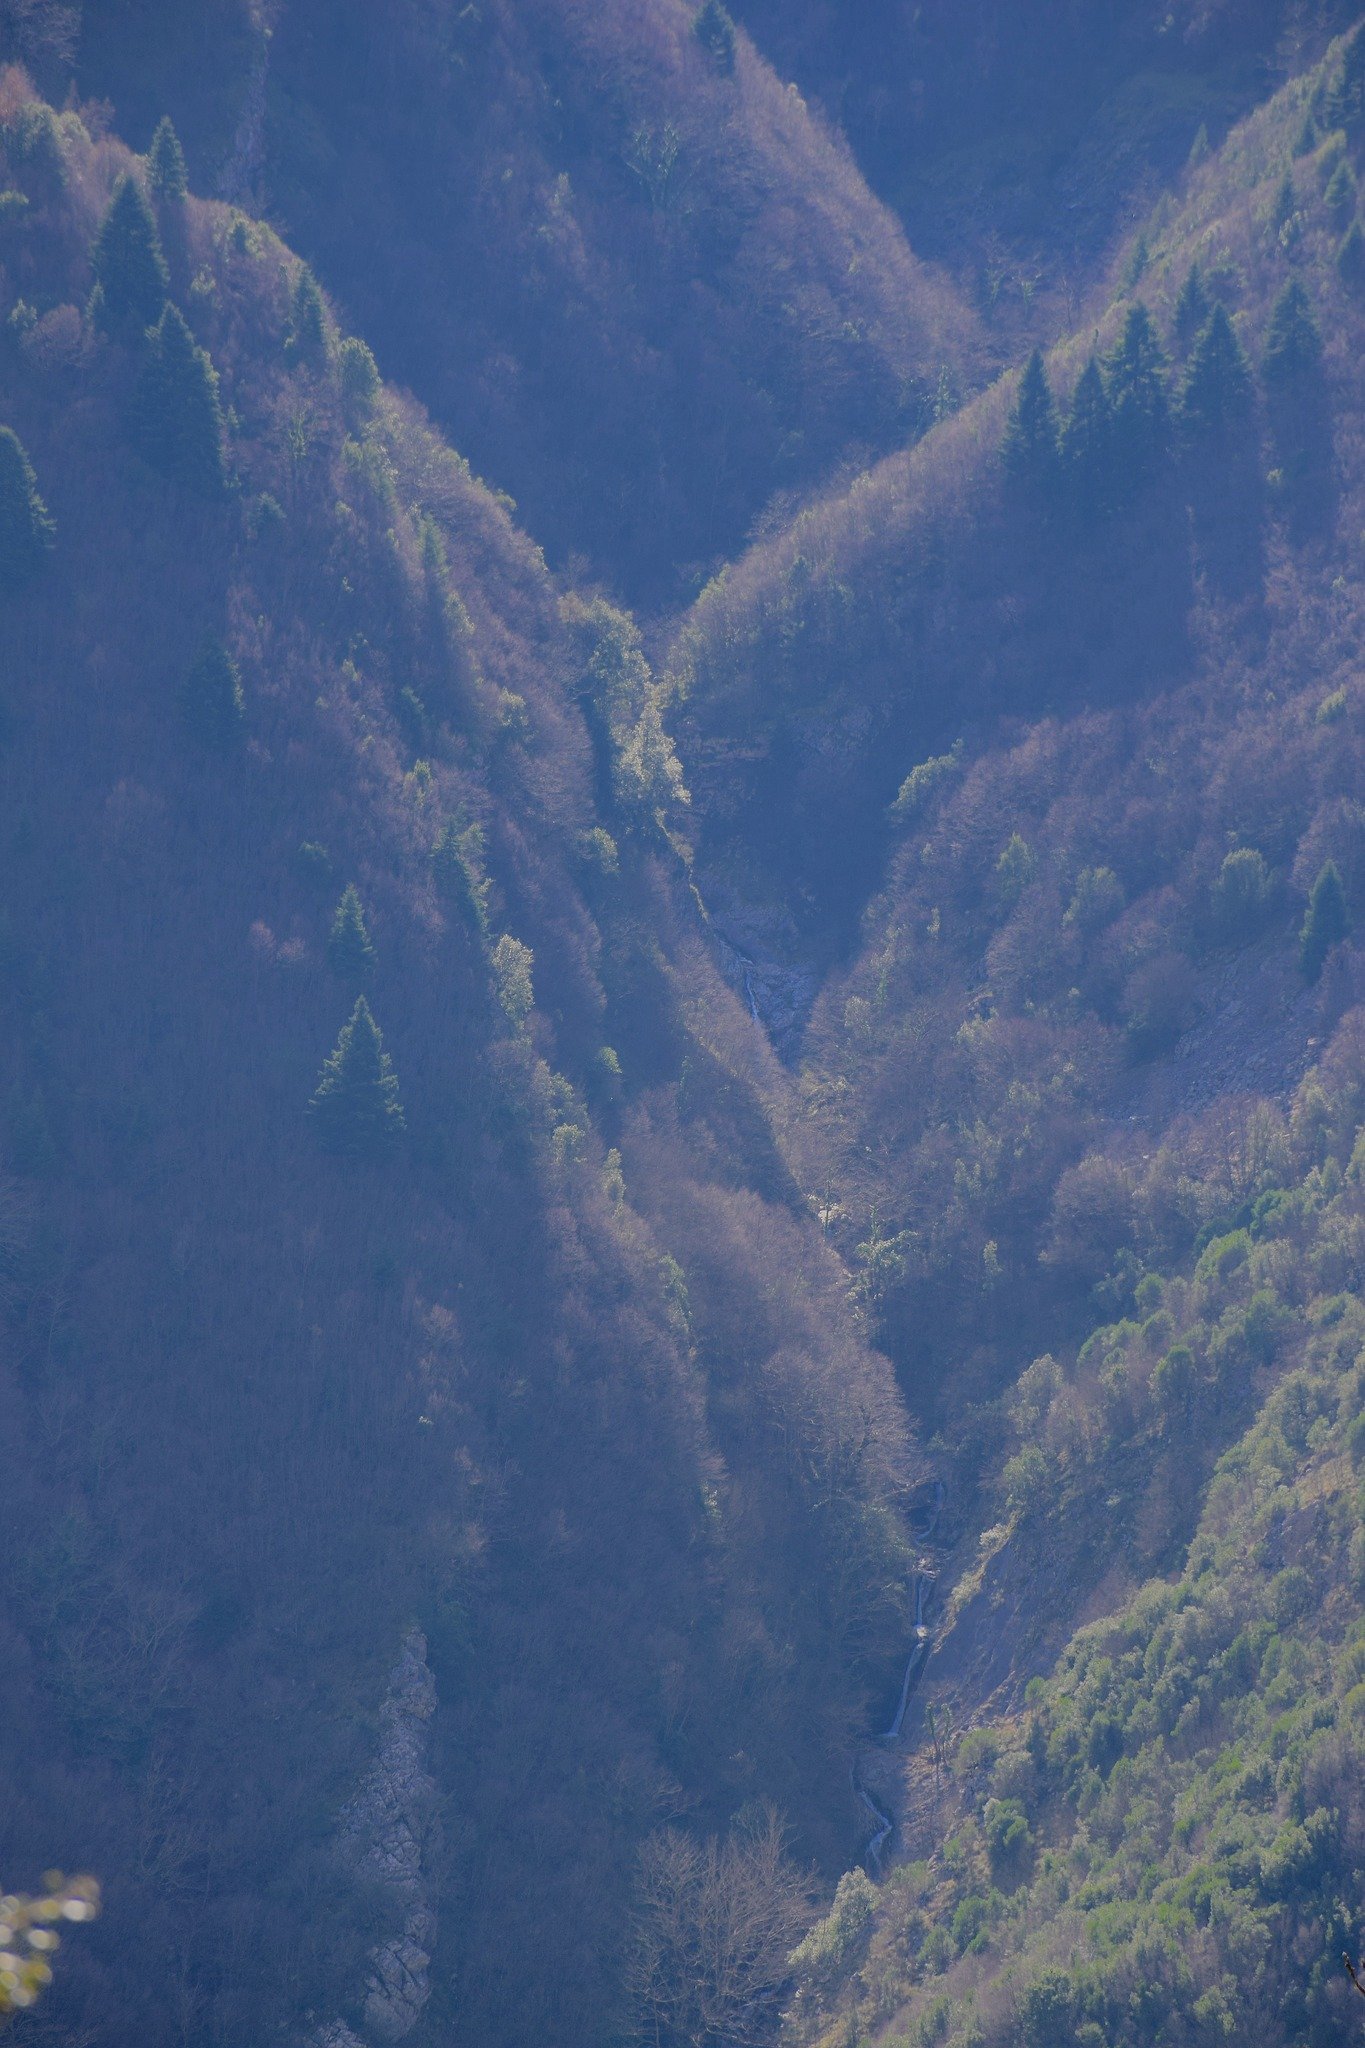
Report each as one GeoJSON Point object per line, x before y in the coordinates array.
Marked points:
{"type": "Point", "coordinates": [642, 285]}
{"type": "Point", "coordinates": [1016, 142]}
{"type": "Point", "coordinates": [1163, 1840]}
{"type": "Point", "coordinates": [465, 1395]}
{"type": "Point", "coordinates": [315, 792]}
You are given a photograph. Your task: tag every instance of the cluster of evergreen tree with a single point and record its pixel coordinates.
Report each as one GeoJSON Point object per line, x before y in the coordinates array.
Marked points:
{"type": "Point", "coordinates": [1129, 421]}
{"type": "Point", "coordinates": [176, 420]}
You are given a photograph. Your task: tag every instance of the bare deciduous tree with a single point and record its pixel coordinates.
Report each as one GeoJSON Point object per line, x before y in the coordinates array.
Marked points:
{"type": "Point", "coordinates": [716, 1922]}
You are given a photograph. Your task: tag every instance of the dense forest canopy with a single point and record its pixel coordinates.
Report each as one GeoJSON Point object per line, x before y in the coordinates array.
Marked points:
{"type": "Point", "coordinates": [682, 1264]}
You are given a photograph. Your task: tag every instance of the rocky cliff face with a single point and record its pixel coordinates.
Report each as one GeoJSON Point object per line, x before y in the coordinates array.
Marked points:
{"type": "Point", "coordinates": [388, 1832]}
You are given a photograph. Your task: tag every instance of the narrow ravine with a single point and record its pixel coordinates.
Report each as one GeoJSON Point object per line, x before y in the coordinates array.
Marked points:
{"type": "Point", "coordinates": [922, 1529]}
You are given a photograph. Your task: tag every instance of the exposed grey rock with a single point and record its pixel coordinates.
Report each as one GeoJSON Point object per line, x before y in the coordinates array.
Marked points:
{"type": "Point", "coordinates": [388, 1831]}
{"type": "Point", "coordinates": [335, 2034]}
{"type": "Point", "coordinates": [399, 1987]}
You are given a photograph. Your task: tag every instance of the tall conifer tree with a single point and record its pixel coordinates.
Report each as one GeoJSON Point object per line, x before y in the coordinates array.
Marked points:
{"type": "Point", "coordinates": [1292, 354]}
{"type": "Point", "coordinates": [166, 173]}
{"type": "Point", "coordinates": [307, 321]}
{"type": "Point", "coordinates": [1030, 449]}
{"type": "Point", "coordinates": [715, 31]}
{"type": "Point", "coordinates": [1087, 445]}
{"type": "Point", "coordinates": [131, 278]}
{"type": "Point", "coordinates": [1217, 396]}
{"type": "Point", "coordinates": [26, 526]}
{"type": "Point", "coordinates": [1327, 922]}
{"type": "Point", "coordinates": [211, 699]}
{"type": "Point", "coordinates": [1137, 396]}
{"type": "Point", "coordinates": [1192, 311]}
{"type": "Point", "coordinates": [177, 420]}
{"type": "Point", "coordinates": [355, 1107]}
{"type": "Point", "coordinates": [350, 950]}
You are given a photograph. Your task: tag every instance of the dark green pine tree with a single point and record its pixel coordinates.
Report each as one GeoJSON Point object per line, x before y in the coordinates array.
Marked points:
{"type": "Point", "coordinates": [166, 172]}
{"type": "Point", "coordinates": [1087, 445]}
{"type": "Point", "coordinates": [211, 699]}
{"type": "Point", "coordinates": [350, 951]}
{"type": "Point", "coordinates": [1136, 381]}
{"type": "Point", "coordinates": [307, 321]}
{"type": "Point", "coordinates": [355, 1107]}
{"type": "Point", "coordinates": [177, 421]}
{"type": "Point", "coordinates": [1292, 353]}
{"type": "Point", "coordinates": [1192, 311]}
{"type": "Point", "coordinates": [26, 527]}
{"type": "Point", "coordinates": [1351, 259]}
{"type": "Point", "coordinates": [1340, 196]}
{"type": "Point", "coordinates": [1217, 397]}
{"type": "Point", "coordinates": [1326, 924]}
{"type": "Point", "coordinates": [715, 31]}
{"type": "Point", "coordinates": [455, 863]}
{"type": "Point", "coordinates": [1347, 98]}
{"type": "Point", "coordinates": [131, 279]}
{"type": "Point", "coordinates": [1030, 450]}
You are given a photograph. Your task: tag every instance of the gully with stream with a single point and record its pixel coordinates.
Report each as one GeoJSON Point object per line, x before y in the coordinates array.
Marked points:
{"type": "Point", "coordinates": [922, 1529]}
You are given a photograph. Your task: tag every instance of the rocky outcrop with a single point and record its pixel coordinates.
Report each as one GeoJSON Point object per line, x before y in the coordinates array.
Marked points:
{"type": "Point", "coordinates": [388, 1834]}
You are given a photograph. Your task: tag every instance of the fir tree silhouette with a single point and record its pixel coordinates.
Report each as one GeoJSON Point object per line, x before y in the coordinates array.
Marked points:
{"type": "Point", "coordinates": [355, 1107]}
{"type": "Point", "coordinates": [131, 279]}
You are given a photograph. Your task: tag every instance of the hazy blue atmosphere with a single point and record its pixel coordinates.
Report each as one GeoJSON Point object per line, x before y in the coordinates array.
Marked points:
{"type": "Point", "coordinates": [682, 1023]}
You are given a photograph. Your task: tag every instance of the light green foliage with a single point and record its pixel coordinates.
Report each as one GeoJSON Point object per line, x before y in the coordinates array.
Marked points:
{"type": "Point", "coordinates": [355, 1108]}
{"type": "Point", "coordinates": [1015, 868]}
{"type": "Point", "coordinates": [1097, 901]}
{"type": "Point", "coordinates": [833, 1940]}
{"type": "Point", "coordinates": [1241, 895]}
{"type": "Point", "coordinates": [350, 951]}
{"type": "Point", "coordinates": [1164, 1845]}
{"type": "Point", "coordinates": [131, 278]}
{"type": "Point", "coordinates": [34, 142]}
{"type": "Point", "coordinates": [29, 1935]}
{"type": "Point", "coordinates": [627, 708]}
{"type": "Point", "coordinates": [27, 530]}
{"type": "Point", "coordinates": [359, 376]}
{"type": "Point", "coordinates": [177, 421]}
{"type": "Point", "coordinates": [166, 172]}
{"type": "Point", "coordinates": [922, 782]}
{"type": "Point", "coordinates": [307, 341]}
{"type": "Point", "coordinates": [512, 977]}
{"type": "Point", "coordinates": [1326, 923]}
{"type": "Point", "coordinates": [457, 864]}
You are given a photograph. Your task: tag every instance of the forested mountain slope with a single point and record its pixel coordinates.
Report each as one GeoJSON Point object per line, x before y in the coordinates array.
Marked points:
{"type": "Point", "coordinates": [526, 1338]}
{"type": "Point", "coordinates": [482, 1429]}
{"type": "Point", "coordinates": [639, 282]}
{"type": "Point", "coordinates": [1164, 1842]}
{"type": "Point", "coordinates": [1015, 142]}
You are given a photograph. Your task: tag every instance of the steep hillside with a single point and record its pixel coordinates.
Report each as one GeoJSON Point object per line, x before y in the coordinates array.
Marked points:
{"type": "Point", "coordinates": [929, 600]}
{"type": "Point", "coordinates": [638, 281]}
{"type": "Point", "coordinates": [1164, 1842]}
{"type": "Point", "coordinates": [553, 1367]}
{"type": "Point", "coordinates": [1016, 142]}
